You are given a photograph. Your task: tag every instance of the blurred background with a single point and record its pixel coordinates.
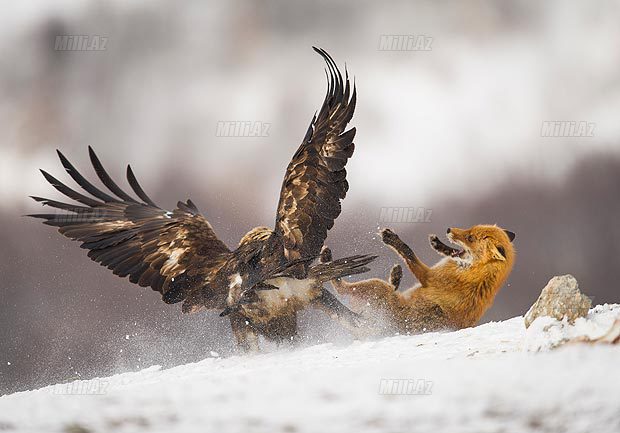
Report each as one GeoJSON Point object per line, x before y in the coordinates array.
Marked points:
{"type": "Point", "coordinates": [457, 128]}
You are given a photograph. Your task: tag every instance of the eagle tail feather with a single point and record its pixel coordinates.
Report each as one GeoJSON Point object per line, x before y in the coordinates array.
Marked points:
{"type": "Point", "coordinates": [341, 268]}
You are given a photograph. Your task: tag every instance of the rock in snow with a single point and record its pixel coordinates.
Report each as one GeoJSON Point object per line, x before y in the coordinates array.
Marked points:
{"type": "Point", "coordinates": [474, 380]}
{"type": "Point", "coordinates": [559, 299]}
{"type": "Point", "coordinates": [601, 325]}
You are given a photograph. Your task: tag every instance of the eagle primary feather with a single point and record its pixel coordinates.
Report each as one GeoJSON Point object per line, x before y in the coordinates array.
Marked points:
{"type": "Point", "coordinates": [315, 179]}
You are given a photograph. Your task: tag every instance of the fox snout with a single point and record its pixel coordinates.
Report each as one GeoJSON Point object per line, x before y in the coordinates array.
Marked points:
{"type": "Point", "coordinates": [453, 231]}
{"type": "Point", "coordinates": [455, 234]}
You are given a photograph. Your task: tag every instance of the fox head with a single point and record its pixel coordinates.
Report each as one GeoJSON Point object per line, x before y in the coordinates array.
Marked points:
{"type": "Point", "coordinates": [482, 244]}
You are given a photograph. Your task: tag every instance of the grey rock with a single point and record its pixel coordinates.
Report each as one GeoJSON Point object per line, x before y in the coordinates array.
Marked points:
{"type": "Point", "coordinates": [560, 298]}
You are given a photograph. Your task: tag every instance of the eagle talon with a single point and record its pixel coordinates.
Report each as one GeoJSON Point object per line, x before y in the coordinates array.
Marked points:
{"type": "Point", "coordinates": [326, 255]}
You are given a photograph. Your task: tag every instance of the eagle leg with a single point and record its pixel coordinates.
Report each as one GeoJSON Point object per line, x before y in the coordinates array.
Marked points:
{"type": "Point", "coordinates": [244, 332]}
{"type": "Point", "coordinates": [329, 304]}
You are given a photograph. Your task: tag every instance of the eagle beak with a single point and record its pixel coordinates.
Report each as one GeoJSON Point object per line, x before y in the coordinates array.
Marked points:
{"type": "Point", "coordinates": [247, 298]}
{"type": "Point", "coordinates": [232, 308]}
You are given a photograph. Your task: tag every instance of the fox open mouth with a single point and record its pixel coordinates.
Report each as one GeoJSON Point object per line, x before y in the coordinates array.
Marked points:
{"type": "Point", "coordinates": [456, 253]}
{"type": "Point", "coordinates": [446, 250]}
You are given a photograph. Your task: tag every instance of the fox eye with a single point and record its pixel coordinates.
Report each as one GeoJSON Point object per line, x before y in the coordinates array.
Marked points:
{"type": "Point", "coordinates": [470, 238]}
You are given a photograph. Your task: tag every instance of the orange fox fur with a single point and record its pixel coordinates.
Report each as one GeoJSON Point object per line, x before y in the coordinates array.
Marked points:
{"type": "Point", "coordinates": [452, 294]}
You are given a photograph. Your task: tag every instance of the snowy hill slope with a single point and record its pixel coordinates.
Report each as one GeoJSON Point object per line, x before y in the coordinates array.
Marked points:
{"type": "Point", "coordinates": [474, 380]}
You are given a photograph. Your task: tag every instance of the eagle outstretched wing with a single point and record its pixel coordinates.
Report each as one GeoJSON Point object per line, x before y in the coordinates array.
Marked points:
{"type": "Point", "coordinates": [315, 180]}
{"type": "Point", "coordinates": [173, 252]}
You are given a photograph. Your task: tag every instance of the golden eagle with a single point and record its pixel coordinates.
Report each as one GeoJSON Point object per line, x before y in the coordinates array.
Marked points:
{"type": "Point", "coordinates": [269, 277]}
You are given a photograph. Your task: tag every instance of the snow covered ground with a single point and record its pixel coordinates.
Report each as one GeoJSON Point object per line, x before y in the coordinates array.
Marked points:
{"type": "Point", "coordinates": [478, 380]}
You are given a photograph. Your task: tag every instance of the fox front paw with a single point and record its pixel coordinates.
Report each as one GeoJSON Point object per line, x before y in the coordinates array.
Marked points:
{"type": "Point", "coordinates": [389, 237]}
{"type": "Point", "coordinates": [441, 248]}
{"type": "Point", "coordinates": [434, 241]}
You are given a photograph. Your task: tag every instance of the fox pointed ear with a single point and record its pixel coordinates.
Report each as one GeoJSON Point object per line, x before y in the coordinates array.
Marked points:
{"type": "Point", "coordinates": [511, 235]}
{"type": "Point", "coordinates": [498, 252]}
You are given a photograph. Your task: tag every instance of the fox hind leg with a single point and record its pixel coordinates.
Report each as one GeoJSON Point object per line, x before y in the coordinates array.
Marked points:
{"type": "Point", "coordinates": [396, 275]}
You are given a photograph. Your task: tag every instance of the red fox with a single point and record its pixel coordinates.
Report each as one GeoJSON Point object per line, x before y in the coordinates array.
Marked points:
{"type": "Point", "coordinates": [453, 294]}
